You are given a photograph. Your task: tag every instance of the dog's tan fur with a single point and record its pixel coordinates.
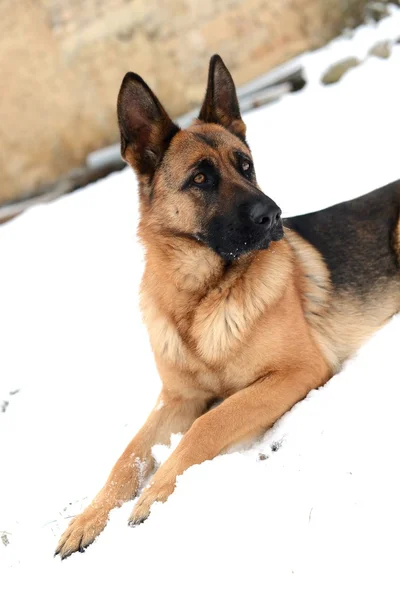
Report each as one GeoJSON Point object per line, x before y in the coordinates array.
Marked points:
{"type": "Point", "coordinates": [259, 335]}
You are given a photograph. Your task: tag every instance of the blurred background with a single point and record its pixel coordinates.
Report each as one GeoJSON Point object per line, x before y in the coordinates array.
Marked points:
{"type": "Point", "coordinates": [62, 62]}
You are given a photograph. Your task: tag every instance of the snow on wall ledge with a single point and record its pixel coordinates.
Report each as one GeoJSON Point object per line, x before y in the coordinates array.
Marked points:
{"type": "Point", "coordinates": [318, 516]}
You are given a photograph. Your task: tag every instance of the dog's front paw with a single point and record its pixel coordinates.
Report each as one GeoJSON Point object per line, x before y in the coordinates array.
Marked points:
{"type": "Point", "coordinates": [157, 491]}
{"type": "Point", "coordinates": [82, 531]}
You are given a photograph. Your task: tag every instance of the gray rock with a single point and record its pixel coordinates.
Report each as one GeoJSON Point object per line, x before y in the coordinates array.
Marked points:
{"type": "Point", "coordinates": [381, 49]}
{"type": "Point", "coordinates": [336, 71]}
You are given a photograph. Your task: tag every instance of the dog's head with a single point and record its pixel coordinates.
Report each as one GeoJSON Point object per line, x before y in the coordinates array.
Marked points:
{"type": "Point", "coordinates": [197, 183]}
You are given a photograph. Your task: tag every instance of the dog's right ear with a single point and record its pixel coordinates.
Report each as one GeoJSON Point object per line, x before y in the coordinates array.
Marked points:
{"type": "Point", "coordinates": [146, 129]}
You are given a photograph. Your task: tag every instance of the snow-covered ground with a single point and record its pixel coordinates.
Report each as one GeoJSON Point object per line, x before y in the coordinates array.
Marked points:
{"type": "Point", "coordinates": [319, 516]}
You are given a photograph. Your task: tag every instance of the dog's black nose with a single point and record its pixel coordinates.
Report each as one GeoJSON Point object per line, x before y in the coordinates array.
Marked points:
{"type": "Point", "coordinates": [265, 213]}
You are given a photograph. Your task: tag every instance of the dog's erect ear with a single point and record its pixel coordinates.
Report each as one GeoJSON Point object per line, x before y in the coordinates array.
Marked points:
{"type": "Point", "coordinates": [146, 129]}
{"type": "Point", "coordinates": [221, 105]}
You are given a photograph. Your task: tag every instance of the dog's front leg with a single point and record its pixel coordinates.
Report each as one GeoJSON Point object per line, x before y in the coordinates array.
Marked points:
{"type": "Point", "coordinates": [172, 414]}
{"type": "Point", "coordinates": [243, 415]}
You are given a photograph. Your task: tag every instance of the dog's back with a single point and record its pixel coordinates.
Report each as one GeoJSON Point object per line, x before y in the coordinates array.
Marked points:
{"type": "Point", "coordinates": [358, 239]}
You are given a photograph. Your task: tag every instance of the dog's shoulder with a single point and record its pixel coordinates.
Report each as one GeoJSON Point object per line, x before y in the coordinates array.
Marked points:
{"type": "Point", "coordinates": [356, 239]}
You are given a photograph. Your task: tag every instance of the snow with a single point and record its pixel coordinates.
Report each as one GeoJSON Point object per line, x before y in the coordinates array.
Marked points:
{"type": "Point", "coordinates": [310, 510]}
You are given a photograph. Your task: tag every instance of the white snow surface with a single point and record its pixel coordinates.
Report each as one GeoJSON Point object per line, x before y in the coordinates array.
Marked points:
{"type": "Point", "coordinates": [319, 517]}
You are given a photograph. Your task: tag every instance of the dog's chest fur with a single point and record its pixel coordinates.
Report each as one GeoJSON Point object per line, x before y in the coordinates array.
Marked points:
{"type": "Point", "coordinates": [204, 329]}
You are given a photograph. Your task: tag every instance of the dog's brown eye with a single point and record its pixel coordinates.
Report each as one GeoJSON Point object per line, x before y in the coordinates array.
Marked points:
{"type": "Point", "coordinates": [246, 165]}
{"type": "Point", "coordinates": [199, 178]}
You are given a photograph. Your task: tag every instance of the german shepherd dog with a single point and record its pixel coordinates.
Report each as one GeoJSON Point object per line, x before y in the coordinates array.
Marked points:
{"type": "Point", "coordinates": [239, 304]}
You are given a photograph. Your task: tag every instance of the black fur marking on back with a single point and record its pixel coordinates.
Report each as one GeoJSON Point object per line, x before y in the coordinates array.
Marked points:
{"type": "Point", "coordinates": [355, 238]}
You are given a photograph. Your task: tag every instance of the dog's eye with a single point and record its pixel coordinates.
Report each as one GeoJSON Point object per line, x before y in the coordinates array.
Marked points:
{"type": "Point", "coordinates": [246, 167]}
{"type": "Point", "coordinates": [199, 178]}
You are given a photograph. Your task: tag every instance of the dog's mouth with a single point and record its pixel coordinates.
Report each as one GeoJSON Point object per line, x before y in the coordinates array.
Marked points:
{"type": "Point", "coordinates": [231, 243]}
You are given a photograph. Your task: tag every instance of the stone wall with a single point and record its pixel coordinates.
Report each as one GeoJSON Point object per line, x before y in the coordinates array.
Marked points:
{"type": "Point", "coordinates": [62, 61]}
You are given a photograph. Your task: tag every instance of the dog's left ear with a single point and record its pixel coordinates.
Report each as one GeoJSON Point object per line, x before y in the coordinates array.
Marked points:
{"type": "Point", "coordinates": [221, 105]}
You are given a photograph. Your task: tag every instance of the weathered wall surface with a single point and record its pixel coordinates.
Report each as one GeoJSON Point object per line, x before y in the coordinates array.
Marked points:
{"type": "Point", "coordinates": [61, 64]}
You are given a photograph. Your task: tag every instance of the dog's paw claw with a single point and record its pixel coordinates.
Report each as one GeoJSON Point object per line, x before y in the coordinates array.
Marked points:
{"type": "Point", "coordinates": [135, 522]}
{"type": "Point", "coordinates": [155, 492]}
{"type": "Point", "coordinates": [81, 532]}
